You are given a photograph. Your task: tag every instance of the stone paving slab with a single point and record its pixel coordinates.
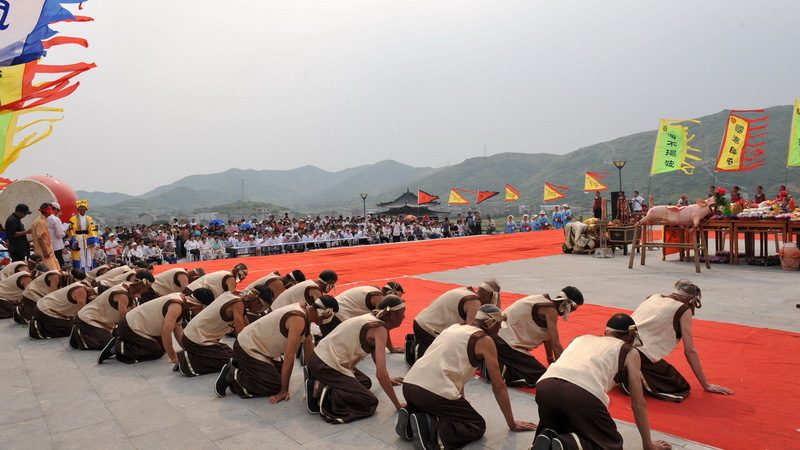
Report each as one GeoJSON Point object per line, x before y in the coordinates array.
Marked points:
{"type": "Point", "coordinates": [54, 397]}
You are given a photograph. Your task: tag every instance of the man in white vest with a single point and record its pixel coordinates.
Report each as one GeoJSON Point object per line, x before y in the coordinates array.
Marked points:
{"type": "Point", "coordinates": [664, 320]}
{"type": "Point", "coordinates": [532, 321]}
{"type": "Point", "coordinates": [573, 394]}
{"type": "Point", "coordinates": [437, 414]}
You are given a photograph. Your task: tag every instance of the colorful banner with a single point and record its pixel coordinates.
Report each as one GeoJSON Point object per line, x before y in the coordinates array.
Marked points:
{"type": "Point", "coordinates": [423, 198]}
{"type": "Point", "coordinates": [737, 153]}
{"type": "Point", "coordinates": [793, 158]}
{"type": "Point", "coordinates": [551, 192]}
{"type": "Point", "coordinates": [456, 198]}
{"type": "Point", "coordinates": [25, 35]}
{"type": "Point", "coordinates": [672, 148]}
{"type": "Point", "coordinates": [485, 195]}
{"type": "Point", "coordinates": [512, 194]}
{"type": "Point", "coordinates": [593, 182]}
{"type": "Point", "coordinates": [11, 144]}
{"type": "Point", "coordinates": [4, 182]}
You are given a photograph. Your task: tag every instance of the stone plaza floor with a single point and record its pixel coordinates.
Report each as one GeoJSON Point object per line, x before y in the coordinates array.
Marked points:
{"type": "Point", "coordinates": [54, 397]}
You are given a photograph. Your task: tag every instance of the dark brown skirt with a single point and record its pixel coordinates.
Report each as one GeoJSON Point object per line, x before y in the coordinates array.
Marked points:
{"type": "Point", "coordinates": [566, 408]}
{"type": "Point", "coordinates": [327, 328]}
{"type": "Point", "coordinates": [7, 308]}
{"type": "Point", "coordinates": [252, 377]}
{"type": "Point", "coordinates": [662, 381]}
{"type": "Point", "coordinates": [45, 327]}
{"type": "Point", "coordinates": [202, 359]}
{"type": "Point", "coordinates": [132, 348]}
{"type": "Point", "coordinates": [456, 421]}
{"type": "Point", "coordinates": [347, 398]}
{"type": "Point", "coordinates": [422, 338]}
{"type": "Point", "coordinates": [148, 295]}
{"type": "Point", "coordinates": [88, 337]}
{"type": "Point", "coordinates": [24, 312]}
{"type": "Point", "coordinates": [518, 368]}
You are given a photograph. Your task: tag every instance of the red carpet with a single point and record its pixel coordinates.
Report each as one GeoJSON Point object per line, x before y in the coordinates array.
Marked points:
{"type": "Point", "coordinates": [759, 364]}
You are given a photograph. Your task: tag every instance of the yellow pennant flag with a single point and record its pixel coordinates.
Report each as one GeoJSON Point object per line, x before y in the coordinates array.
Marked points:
{"type": "Point", "coordinates": [593, 181]}
{"type": "Point", "coordinates": [793, 159]}
{"type": "Point", "coordinates": [456, 198]}
{"type": "Point", "coordinates": [738, 153]}
{"type": "Point", "coordinates": [672, 148]}
{"type": "Point", "coordinates": [512, 194]}
{"type": "Point", "coordinates": [551, 192]}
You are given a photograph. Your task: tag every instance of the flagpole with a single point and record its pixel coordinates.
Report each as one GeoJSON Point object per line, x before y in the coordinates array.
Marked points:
{"type": "Point", "coordinates": [649, 181]}
{"type": "Point", "coordinates": [786, 175]}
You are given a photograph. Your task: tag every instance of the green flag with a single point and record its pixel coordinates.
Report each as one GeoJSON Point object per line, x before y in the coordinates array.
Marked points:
{"type": "Point", "coordinates": [672, 149]}
{"type": "Point", "coordinates": [793, 159]}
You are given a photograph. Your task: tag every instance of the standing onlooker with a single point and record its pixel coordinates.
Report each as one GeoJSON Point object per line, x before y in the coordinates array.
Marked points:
{"type": "Point", "coordinates": [491, 228]}
{"type": "Point", "coordinates": [56, 229]}
{"type": "Point", "coordinates": [112, 248]}
{"type": "Point", "coordinates": [623, 213]}
{"type": "Point", "coordinates": [40, 235]}
{"type": "Point", "coordinates": [683, 200]}
{"type": "Point", "coordinates": [597, 205]}
{"type": "Point", "coordinates": [760, 195]}
{"type": "Point", "coordinates": [566, 215]}
{"type": "Point", "coordinates": [636, 205]}
{"type": "Point", "coordinates": [736, 195]}
{"type": "Point", "coordinates": [18, 246]}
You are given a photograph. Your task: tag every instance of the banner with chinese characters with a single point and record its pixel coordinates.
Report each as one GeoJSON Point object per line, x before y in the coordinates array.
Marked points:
{"type": "Point", "coordinates": [793, 159]}
{"type": "Point", "coordinates": [512, 194]}
{"type": "Point", "coordinates": [593, 181]}
{"type": "Point", "coordinates": [456, 198]}
{"type": "Point", "coordinates": [738, 153]}
{"type": "Point", "coordinates": [672, 149]}
{"type": "Point", "coordinates": [553, 192]}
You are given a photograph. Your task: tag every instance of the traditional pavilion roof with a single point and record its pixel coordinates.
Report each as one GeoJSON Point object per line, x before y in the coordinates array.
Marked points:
{"type": "Point", "coordinates": [418, 211]}
{"type": "Point", "coordinates": [408, 198]}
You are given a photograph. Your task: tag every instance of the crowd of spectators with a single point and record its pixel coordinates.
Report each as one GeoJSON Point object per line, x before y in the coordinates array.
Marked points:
{"type": "Point", "coordinates": [168, 243]}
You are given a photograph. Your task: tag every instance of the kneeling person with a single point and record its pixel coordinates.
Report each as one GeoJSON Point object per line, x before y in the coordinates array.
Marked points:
{"type": "Point", "coordinates": [573, 394]}
{"type": "Point", "coordinates": [11, 289]}
{"type": "Point", "coordinates": [434, 386]}
{"type": "Point", "coordinates": [53, 314]}
{"type": "Point", "coordinates": [258, 367]}
{"type": "Point", "coordinates": [145, 333]}
{"type": "Point", "coordinates": [343, 391]}
{"type": "Point", "coordinates": [202, 350]}
{"type": "Point", "coordinates": [95, 322]}
{"type": "Point", "coordinates": [532, 321]}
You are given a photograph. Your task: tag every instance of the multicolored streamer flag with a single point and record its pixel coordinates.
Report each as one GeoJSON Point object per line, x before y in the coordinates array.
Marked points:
{"type": "Point", "coordinates": [512, 194]}
{"type": "Point", "coordinates": [10, 129]}
{"type": "Point", "coordinates": [793, 158]}
{"type": "Point", "coordinates": [551, 192]}
{"type": "Point", "coordinates": [4, 182]}
{"type": "Point", "coordinates": [25, 37]}
{"type": "Point", "coordinates": [593, 181]}
{"type": "Point", "coordinates": [485, 195]}
{"type": "Point", "coordinates": [25, 25]}
{"type": "Point", "coordinates": [456, 198]}
{"type": "Point", "coordinates": [423, 198]}
{"type": "Point", "coordinates": [672, 148]}
{"type": "Point", "coordinates": [737, 153]}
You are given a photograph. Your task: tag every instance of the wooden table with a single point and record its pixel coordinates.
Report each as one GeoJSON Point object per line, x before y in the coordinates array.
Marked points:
{"type": "Point", "coordinates": [719, 227]}
{"type": "Point", "coordinates": [793, 230]}
{"type": "Point", "coordinates": [749, 227]}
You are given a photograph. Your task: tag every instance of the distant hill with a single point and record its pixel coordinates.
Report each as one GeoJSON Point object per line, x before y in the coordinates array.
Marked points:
{"type": "Point", "coordinates": [310, 188]}
{"type": "Point", "coordinates": [103, 198]}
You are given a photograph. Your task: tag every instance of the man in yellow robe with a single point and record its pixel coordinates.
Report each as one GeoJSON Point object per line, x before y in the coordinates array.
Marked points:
{"type": "Point", "coordinates": [81, 228]}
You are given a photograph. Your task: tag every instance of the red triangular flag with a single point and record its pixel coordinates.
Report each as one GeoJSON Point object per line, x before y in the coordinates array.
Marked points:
{"type": "Point", "coordinates": [424, 198]}
{"type": "Point", "coordinates": [485, 195]}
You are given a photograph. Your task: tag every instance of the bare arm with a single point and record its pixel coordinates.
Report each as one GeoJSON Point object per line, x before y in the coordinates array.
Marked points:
{"type": "Point", "coordinates": [183, 280]}
{"type": "Point", "coordinates": [548, 351]}
{"type": "Point", "coordinates": [380, 336]}
{"type": "Point", "coordinates": [471, 307]}
{"type": "Point", "coordinates": [171, 325]}
{"type": "Point", "coordinates": [296, 325]}
{"type": "Point", "coordinates": [239, 318]}
{"type": "Point", "coordinates": [230, 283]}
{"type": "Point", "coordinates": [693, 357]}
{"type": "Point", "coordinates": [485, 348]}
{"type": "Point", "coordinates": [638, 404]}
{"type": "Point", "coordinates": [122, 304]}
{"type": "Point", "coordinates": [551, 316]}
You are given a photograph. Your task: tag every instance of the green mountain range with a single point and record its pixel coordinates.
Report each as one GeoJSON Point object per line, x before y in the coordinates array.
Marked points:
{"type": "Point", "coordinates": [310, 189]}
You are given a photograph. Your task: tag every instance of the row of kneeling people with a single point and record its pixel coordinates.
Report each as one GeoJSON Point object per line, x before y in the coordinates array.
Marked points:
{"type": "Point", "coordinates": [462, 330]}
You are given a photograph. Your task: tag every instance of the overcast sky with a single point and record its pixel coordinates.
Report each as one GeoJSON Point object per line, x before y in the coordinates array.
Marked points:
{"type": "Point", "coordinates": [187, 87]}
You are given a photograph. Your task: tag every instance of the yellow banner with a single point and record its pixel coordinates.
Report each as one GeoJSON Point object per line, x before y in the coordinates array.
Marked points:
{"type": "Point", "coordinates": [593, 183]}
{"type": "Point", "coordinates": [551, 192]}
{"type": "Point", "coordinates": [731, 153]}
{"type": "Point", "coordinates": [456, 198]}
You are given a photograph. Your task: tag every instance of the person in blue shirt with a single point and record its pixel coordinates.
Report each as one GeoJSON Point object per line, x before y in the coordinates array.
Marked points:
{"type": "Point", "coordinates": [525, 225]}
{"type": "Point", "coordinates": [558, 222]}
{"type": "Point", "coordinates": [511, 226]}
{"type": "Point", "coordinates": [566, 215]}
{"type": "Point", "coordinates": [541, 222]}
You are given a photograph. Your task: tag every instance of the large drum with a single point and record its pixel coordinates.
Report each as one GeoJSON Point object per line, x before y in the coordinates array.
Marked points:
{"type": "Point", "coordinates": [35, 190]}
